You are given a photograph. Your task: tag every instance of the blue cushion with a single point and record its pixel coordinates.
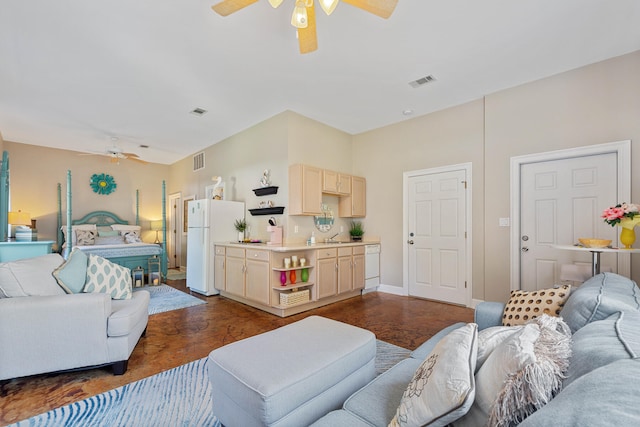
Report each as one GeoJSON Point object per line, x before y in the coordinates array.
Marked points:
{"type": "Point", "coordinates": [598, 298]}
{"type": "Point", "coordinates": [602, 342]}
{"type": "Point", "coordinates": [607, 396]}
{"type": "Point", "coordinates": [72, 275]}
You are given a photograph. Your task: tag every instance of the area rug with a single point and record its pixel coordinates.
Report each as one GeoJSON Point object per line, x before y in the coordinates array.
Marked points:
{"type": "Point", "coordinates": [177, 397]}
{"type": "Point", "coordinates": [165, 298]}
{"type": "Point", "coordinates": [174, 274]}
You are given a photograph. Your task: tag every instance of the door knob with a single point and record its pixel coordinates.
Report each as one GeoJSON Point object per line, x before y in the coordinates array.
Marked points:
{"type": "Point", "coordinates": [410, 242]}
{"type": "Point", "coordinates": [525, 249]}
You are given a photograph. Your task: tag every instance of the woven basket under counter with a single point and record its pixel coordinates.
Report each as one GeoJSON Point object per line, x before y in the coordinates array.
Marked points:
{"type": "Point", "coordinates": [292, 298]}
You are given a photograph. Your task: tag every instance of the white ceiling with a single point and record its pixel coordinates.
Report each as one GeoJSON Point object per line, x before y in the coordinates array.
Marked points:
{"type": "Point", "coordinates": [74, 73]}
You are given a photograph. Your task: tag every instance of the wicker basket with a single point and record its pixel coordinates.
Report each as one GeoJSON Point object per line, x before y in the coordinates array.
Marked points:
{"type": "Point", "coordinates": [293, 298]}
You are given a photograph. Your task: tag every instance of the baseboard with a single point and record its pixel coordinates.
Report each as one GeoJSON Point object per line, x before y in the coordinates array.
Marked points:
{"type": "Point", "coordinates": [395, 290]}
{"type": "Point", "coordinates": [475, 302]}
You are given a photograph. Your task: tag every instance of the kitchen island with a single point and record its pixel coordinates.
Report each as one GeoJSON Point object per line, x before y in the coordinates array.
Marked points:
{"type": "Point", "coordinates": [256, 274]}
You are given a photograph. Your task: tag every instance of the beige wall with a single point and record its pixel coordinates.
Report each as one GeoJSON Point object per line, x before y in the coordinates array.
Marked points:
{"type": "Point", "coordinates": [591, 105]}
{"type": "Point", "coordinates": [36, 171]}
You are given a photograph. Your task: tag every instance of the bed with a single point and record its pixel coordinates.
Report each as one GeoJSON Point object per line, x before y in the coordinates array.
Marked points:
{"type": "Point", "coordinates": [107, 235]}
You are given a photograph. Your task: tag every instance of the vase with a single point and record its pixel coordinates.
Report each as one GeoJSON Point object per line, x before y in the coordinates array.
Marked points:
{"type": "Point", "coordinates": [292, 277]}
{"type": "Point", "coordinates": [283, 278]}
{"type": "Point", "coordinates": [304, 275]}
{"type": "Point", "coordinates": [628, 233]}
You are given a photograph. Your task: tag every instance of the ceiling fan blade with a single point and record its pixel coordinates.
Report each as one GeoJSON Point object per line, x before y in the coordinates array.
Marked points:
{"type": "Point", "coordinates": [227, 7]}
{"type": "Point", "coordinates": [307, 38]}
{"type": "Point", "coordinates": [136, 159]}
{"type": "Point", "coordinates": [382, 8]}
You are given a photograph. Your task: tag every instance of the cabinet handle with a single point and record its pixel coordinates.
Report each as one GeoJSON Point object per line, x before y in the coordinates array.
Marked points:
{"type": "Point", "coordinates": [336, 266]}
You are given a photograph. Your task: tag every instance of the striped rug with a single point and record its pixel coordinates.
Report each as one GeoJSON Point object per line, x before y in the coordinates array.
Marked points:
{"type": "Point", "coordinates": [177, 397]}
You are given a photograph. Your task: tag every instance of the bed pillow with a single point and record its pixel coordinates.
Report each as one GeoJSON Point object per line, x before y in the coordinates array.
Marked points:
{"type": "Point", "coordinates": [103, 276]}
{"type": "Point", "coordinates": [521, 374]}
{"type": "Point", "coordinates": [85, 237]}
{"type": "Point", "coordinates": [75, 228]}
{"type": "Point", "coordinates": [526, 305]}
{"type": "Point", "coordinates": [30, 277]}
{"type": "Point", "coordinates": [131, 237]}
{"type": "Point", "coordinates": [72, 275]}
{"type": "Point", "coordinates": [109, 240]}
{"type": "Point", "coordinates": [443, 387]}
{"type": "Point", "coordinates": [108, 233]}
{"type": "Point", "coordinates": [126, 227]}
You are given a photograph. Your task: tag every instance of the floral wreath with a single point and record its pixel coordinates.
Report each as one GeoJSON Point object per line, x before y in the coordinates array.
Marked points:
{"type": "Point", "coordinates": [103, 183]}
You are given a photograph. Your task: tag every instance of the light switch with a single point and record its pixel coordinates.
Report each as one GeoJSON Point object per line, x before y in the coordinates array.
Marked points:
{"type": "Point", "coordinates": [503, 222]}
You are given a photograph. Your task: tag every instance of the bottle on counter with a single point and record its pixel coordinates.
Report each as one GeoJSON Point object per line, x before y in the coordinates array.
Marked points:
{"type": "Point", "coordinates": [312, 240]}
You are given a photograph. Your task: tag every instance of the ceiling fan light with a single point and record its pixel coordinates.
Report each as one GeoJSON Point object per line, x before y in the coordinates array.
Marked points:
{"type": "Point", "coordinates": [275, 3]}
{"type": "Point", "coordinates": [299, 18]}
{"type": "Point", "coordinates": [328, 6]}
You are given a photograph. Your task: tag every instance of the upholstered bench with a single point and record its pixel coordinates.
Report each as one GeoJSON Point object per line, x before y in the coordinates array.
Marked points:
{"type": "Point", "coordinates": [290, 376]}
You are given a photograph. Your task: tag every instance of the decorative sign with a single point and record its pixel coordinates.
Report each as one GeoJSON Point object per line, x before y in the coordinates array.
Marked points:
{"type": "Point", "coordinates": [103, 183]}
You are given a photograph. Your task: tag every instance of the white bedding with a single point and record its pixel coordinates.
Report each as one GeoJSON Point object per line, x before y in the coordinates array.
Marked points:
{"type": "Point", "coordinates": [122, 250]}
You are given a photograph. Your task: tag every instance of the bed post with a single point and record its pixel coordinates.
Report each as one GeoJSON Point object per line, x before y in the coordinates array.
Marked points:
{"type": "Point", "coordinates": [67, 248]}
{"type": "Point", "coordinates": [59, 219]}
{"type": "Point", "coordinates": [137, 207]}
{"type": "Point", "coordinates": [4, 196]}
{"type": "Point", "coordinates": [164, 230]}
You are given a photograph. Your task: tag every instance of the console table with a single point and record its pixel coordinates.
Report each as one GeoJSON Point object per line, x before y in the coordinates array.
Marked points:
{"type": "Point", "coordinates": [595, 254]}
{"type": "Point", "coordinates": [13, 250]}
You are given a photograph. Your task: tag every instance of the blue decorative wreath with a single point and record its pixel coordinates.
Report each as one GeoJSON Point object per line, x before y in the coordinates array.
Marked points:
{"type": "Point", "coordinates": [103, 183]}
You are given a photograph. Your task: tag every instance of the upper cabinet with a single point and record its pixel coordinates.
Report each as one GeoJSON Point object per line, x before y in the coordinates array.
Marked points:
{"type": "Point", "coordinates": [355, 204]}
{"type": "Point", "coordinates": [305, 190]}
{"type": "Point", "coordinates": [308, 183]}
{"type": "Point", "coordinates": [336, 183]}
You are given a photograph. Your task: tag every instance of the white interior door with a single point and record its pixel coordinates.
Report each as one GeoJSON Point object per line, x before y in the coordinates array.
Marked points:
{"type": "Point", "coordinates": [561, 201]}
{"type": "Point", "coordinates": [436, 238]}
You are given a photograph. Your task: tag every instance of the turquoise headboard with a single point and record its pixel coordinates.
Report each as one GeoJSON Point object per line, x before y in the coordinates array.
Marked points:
{"type": "Point", "coordinates": [100, 219]}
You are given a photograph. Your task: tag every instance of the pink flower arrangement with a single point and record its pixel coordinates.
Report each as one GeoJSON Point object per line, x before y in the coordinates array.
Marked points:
{"type": "Point", "coordinates": [619, 212]}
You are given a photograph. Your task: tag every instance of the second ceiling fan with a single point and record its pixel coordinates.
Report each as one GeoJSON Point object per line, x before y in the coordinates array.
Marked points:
{"type": "Point", "coordinates": [304, 15]}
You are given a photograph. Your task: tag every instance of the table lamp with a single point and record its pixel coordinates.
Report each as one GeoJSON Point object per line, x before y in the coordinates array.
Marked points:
{"type": "Point", "coordinates": [18, 218]}
{"type": "Point", "coordinates": [156, 226]}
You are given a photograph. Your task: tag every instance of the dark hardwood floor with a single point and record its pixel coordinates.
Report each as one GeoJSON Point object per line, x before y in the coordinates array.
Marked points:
{"type": "Point", "coordinates": [181, 336]}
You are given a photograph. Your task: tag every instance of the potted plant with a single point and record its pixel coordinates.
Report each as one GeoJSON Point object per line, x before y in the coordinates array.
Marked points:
{"type": "Point", "coordinates": [241, 226]}
{"type": "Point", "coordinates": [356, 231]}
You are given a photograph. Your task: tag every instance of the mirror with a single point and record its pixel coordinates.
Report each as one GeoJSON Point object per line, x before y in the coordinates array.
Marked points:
{"type": "Point", "coordinates": [325, 221]}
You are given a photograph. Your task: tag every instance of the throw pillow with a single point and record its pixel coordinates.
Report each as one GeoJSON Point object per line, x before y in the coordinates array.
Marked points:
{"type": "Point", "coordinates": [131, 236]}
{"type": "Point", "coordinates": [524, 306]}
{"type": "Point", "coordinates": [108, 233]}
{"type": "Point", "coordinates": [109, 240]}
{"type": "Point", "coordinates": [103, 276]}
{"type": "Point", "coordinates": [126, 227]}
{"type": "Point", "coordinates": [522, 374]}
{"type": "Point", "coordinates": [490, 338]}
{"type": "Point", "coordinates": [74, 229]}
{"type": "Point", "coordinates": [30, 277]}
{"type": "Point", "coordinates": [443, 388]}
{"type": "Point", "coordinates": [72, 274]}
{"type": "Point", "coordinates": [85, 237]}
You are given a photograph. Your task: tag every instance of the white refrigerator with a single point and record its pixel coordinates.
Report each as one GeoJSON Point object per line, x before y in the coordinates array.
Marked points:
{"type": "Point", "coordinates": [209, 221]}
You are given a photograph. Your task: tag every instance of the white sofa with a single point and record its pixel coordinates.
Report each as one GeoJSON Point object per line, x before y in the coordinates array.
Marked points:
{"type": "Point", "coordinates": [44, 329]}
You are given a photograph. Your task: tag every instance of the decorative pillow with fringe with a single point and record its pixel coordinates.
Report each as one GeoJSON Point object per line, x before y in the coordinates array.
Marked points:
{"type": "Point", "coordinates": [521, 374]}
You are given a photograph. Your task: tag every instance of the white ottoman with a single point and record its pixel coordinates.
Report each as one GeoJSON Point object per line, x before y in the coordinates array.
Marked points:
{"type": "Point", "coordinates": [291, 376]}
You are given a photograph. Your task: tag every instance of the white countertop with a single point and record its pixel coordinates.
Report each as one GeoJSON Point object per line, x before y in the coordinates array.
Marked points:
{"type": "Point", "coordinates": [295, 246]}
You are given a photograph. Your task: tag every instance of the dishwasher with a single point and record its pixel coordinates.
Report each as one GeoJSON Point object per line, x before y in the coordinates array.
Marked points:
{"type": "Point", "coordinates": [371, 268]}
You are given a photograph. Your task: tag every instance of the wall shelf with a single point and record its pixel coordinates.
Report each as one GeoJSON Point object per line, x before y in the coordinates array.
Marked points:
{"type": "Point", "coordinates": [265, 191]}
{"type": "Point", "coordinates": [276, 210]}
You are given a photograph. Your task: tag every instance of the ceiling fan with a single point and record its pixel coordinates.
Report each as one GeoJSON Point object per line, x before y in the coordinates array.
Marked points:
{"type": "Point", "coordinates": [304, 16]}
{"type": "Point", "coordinates": [116, 154]}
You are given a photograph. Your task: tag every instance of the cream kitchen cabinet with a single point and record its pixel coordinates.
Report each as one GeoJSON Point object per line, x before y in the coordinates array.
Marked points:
{"type": "Point", "coordinates": [355, 204]}
{"type": "Point", "coordinates": [305, 190]}
{"type": "Point", "coordinates": [219, 279]}
{"type": "Point", "coordinates": [336, 183]}
{"type": "Point", "coordinates": [327, 272]}
{"type": "Point", "coordinates": [350, 269]}
{"type": "Point", "coordinates": [247, 274]}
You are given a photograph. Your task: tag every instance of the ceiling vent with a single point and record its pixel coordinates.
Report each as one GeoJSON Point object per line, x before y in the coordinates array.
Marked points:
{"type": "Point", "coordinates": [198, 161]}
{"type": "Point", "coordinates": [422, 81]}
{"type": "Point", "coordinates": [198, 111]}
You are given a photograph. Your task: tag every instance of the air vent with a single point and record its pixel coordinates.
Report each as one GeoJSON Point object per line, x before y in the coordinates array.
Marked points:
{"type": "Point", "coordinates": [422, 81]}
{"type": "Point", "coordinates": [198, 111]}
{"type": "Point", "coordinates": [198, 161]}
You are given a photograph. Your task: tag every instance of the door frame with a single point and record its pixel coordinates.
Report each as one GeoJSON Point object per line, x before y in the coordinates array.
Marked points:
{"type": "Point", "coordinates": [174, 238]}
{"type": "Point", "coordinates": [467, 167]}
{"type": "Point", "coordinates": [622, 149]}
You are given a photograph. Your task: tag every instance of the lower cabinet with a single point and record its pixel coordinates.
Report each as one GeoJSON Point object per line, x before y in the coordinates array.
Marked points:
{"type": "Point", "coordinates": [234, 271]}
{"type": "Point", "coordinates": [219, 279]}
{"type": "Point", "coordinates": [327, 272]}
{"type": "Point", "coordinates": [247, 274]}
{"type": "Point", "coordinates": [350, 269]}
